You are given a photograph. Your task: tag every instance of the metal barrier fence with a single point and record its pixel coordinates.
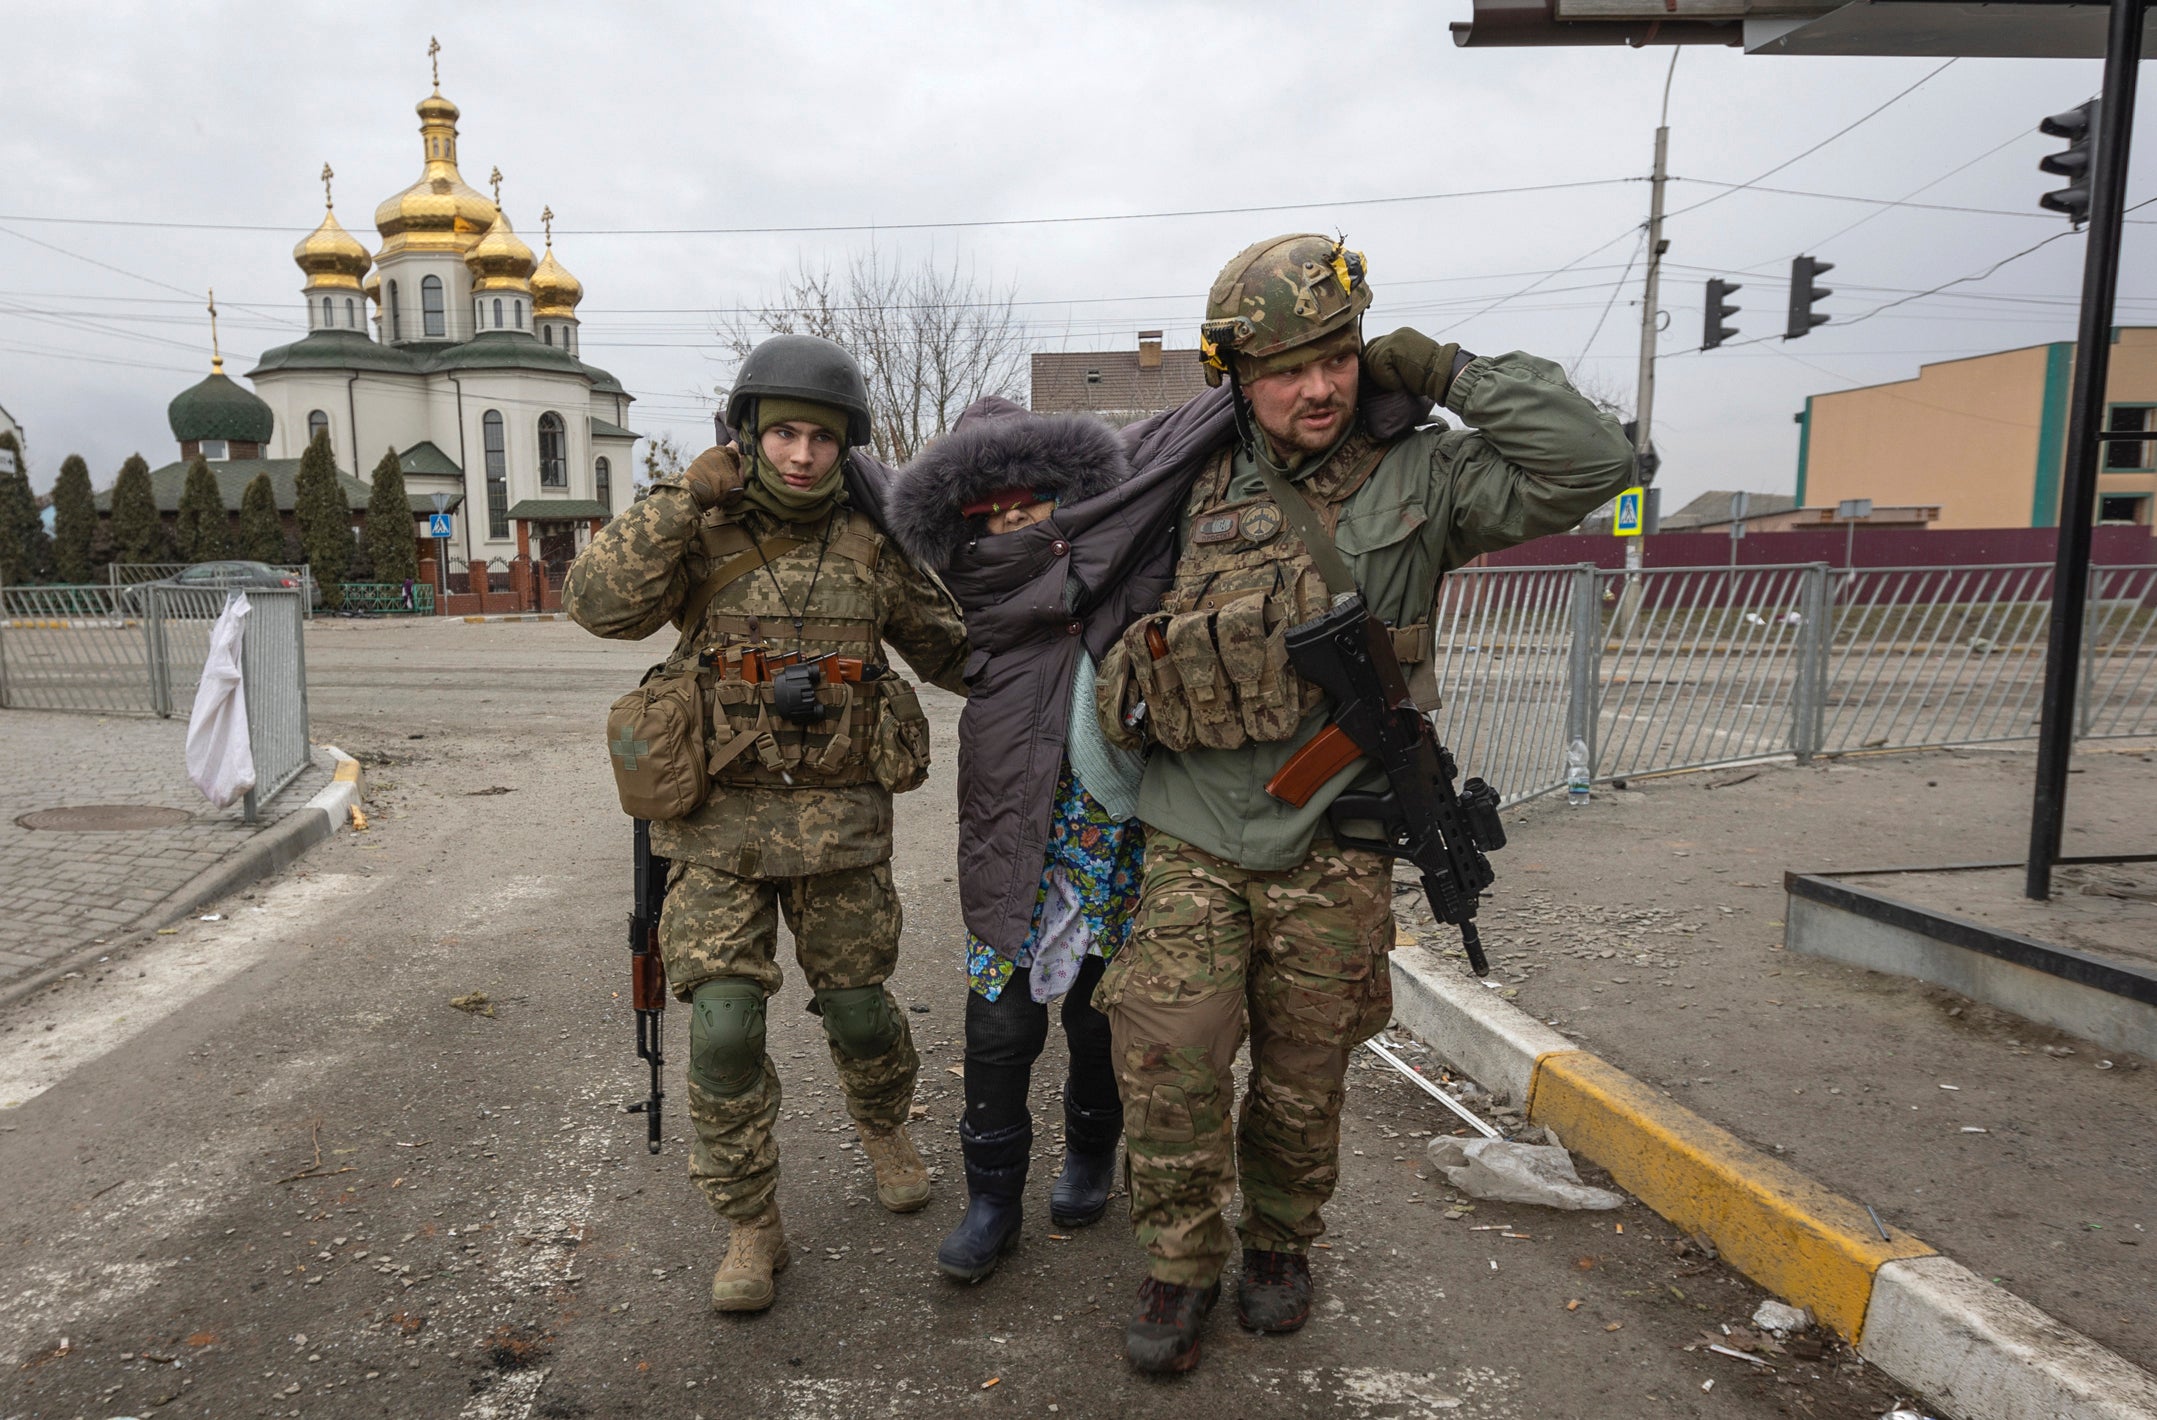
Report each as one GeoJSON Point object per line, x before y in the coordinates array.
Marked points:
{"type": "Point", "coordinates": [388, 599]}
{"type": "Point", "coordinates": [1678, 668]}
{"type": "Point", "coordinates": [129, 574]}
{"type": "Point", "coordinates": [139, 649]}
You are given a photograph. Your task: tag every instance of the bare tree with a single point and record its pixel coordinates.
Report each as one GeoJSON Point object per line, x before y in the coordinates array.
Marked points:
{"type": "Point", "coordinates": [931, 339]}
{"type": "Point", "coordinates": [663, 458]}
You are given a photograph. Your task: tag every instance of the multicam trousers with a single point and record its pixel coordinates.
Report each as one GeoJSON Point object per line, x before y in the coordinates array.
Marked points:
{"type": "Point", "coordinates": [846, 933]}
{"type": "Point", "coordinates": [1297, 957]}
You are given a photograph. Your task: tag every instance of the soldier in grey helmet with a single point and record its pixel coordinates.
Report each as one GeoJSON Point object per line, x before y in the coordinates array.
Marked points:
{"type": "Point", "coordinates": [764, 552]}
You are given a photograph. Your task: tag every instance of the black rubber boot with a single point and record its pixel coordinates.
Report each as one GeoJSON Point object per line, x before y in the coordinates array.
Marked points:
{"type": "Point", "coordinates": [995, 1182]}
{"type": "Point", "coordinates": [1275, 1292]}
{"type": "Point", "coordinates": [1081, 1192]}
{"type": "Point", "coordinates": [1162, 1337]}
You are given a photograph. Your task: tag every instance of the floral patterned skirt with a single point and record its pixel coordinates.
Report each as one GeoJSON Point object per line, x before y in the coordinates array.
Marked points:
{"type": "Point", "coordinates": [1099, 857]}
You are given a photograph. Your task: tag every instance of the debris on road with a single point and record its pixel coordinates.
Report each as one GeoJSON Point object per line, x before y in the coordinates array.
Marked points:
{"type": "Point", "coordinates": [1777, 1319]}
{"type": "Point", "coordinates": [1504, 1171]}
{"type": "Point", "coordinates": [474, 1003]}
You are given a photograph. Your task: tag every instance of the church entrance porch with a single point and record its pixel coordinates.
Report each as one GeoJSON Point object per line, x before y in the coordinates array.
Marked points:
{"type": "Point", "coordinates": [560, 527]}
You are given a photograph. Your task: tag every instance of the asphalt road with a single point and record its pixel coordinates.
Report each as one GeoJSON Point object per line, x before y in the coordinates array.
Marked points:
{"type": "Point", "coordinates": [263, 1167]}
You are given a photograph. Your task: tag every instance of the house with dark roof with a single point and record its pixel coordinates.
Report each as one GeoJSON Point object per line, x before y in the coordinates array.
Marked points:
{"type": "Point", "coordinates": [1121, 386]}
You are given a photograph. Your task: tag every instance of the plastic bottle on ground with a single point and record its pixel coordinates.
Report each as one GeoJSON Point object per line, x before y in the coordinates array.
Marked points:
{"type": "Point", "coordinates": [1577, 773]}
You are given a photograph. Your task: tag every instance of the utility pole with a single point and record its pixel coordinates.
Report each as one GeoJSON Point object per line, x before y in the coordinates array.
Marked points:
{"type": "Point", "coordinates": [1650, 315]}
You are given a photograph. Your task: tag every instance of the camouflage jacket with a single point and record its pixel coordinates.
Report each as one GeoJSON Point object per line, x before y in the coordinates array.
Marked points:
{"type": "Point", "coordinates": [1541, 457]}
{"type": "Point", "coordinates": [637, 577]}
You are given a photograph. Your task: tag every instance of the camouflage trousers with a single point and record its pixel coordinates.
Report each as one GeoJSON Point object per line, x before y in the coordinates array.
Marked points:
{"type": "Point", "coordinates": [846, 933]}
{"type": "Point", "coordinates": [1296, 959]}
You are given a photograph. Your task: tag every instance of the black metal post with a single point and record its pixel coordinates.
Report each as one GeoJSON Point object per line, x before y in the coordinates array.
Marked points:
{"type": "Point", "coordinates": [2085, 422]}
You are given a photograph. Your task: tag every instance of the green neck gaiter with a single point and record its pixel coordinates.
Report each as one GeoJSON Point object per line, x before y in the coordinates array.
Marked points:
{"type": "Point", "coordinates": [767, 489]}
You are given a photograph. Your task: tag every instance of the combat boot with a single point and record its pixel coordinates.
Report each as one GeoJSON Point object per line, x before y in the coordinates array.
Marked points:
{"type": "Point", "coordinates": [1163, 1333]}
{"type": "Point", "coordinates": [995, 1186]}
{"type": "Point", "coordinates": [755, 1250]}
{"type": "Point", "coordinates": [902, 1183]}
{"type": "Point", "coordinates": [1080, 1196]}
{"type": "Point", "coordinates": [1274, 1294]}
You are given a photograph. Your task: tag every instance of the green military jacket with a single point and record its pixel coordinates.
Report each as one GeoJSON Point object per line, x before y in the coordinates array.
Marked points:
{"type": "Point", "coordinates": [637, 576]}
{"type": "Point", "coordinates": [1539, 458]}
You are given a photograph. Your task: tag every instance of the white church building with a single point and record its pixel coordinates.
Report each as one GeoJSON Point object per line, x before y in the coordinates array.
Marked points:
{"type": "Point", "coordinates": [453, 346]}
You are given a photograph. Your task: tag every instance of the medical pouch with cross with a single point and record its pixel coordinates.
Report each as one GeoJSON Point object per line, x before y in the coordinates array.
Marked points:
{"type": "Point", "coordinates": [655, 737]}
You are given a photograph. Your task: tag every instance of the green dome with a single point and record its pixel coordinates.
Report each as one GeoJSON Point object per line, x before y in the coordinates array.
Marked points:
{"type": "Point", "coordinates": [219, 409]}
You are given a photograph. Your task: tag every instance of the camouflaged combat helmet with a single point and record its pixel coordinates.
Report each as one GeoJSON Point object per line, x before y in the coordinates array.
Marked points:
{"type": "Point", "coordinates": [1278, 295]}
{"type": "Point", "coordinates": [805, 367]}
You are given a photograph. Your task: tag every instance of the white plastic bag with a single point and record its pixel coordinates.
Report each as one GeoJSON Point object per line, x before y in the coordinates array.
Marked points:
{"type": "Point", "coordinates": [220, 761]}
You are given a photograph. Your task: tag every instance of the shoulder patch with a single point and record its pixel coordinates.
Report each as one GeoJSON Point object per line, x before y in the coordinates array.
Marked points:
{"type": "Point", "coordinates": [1221, 527]}
{"type": "Point", "coordinates": [1261, 522]}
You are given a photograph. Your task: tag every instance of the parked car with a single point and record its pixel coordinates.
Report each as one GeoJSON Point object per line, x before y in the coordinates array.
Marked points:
{"type": "Point", "coordinates": [217, 576]}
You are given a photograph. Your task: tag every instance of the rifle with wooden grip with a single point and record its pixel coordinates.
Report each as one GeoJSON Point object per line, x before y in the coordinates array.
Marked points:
{"type": "Point", "coordinates": [647, 971]}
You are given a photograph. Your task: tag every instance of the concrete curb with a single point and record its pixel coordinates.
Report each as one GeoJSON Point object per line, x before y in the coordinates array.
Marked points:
{"type": "Point", "coordinates": [513, 616]}
{"type": "Point", "coordinates": [283, 842]}
{"type": "Point", "coordinates": [1971, 1348]}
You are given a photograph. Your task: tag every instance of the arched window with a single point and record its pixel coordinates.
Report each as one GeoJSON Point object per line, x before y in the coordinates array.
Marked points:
{"type": "Point", "coordinates": [497, 312]}
{"type": "Point", "coordinates": [317, 422]}
{"type": "Point", "coordinates": [553, 464]}
{"type": "Point", "coordinates": [548, 332]}
{"type": "Point", "coordinates": [396, 317]}
{"type": "Point", "coordinates": [328, 318]}
{"type": "Point", "coordinates": [603, 484]}
{"type": "Point", "coordinates": [433, 318]}
{"type": "Point", "coordinates": [520, 315]}
{"type": "Point", "coordinates": [351, 316]}
{"type": "Point", "coordinates": [497, 474]}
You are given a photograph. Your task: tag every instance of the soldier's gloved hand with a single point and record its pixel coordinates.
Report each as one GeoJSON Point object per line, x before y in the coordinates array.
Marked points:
{"type": "Point", "coordinates": [715, 479]}
{"type": "Point", "coordinates": [1410, 360]}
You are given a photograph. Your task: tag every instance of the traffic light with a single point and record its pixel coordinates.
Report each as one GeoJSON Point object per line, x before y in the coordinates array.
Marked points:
{"type": "Point", "coordinates": [2079, 127]}
{"type": "Point", "coordinates": [1804, 296]}
{"type": "Point", "coordinates": [1719, 311]}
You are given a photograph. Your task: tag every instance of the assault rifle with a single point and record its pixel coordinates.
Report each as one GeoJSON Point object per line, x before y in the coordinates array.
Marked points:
{"type": "Point", "coordinates": [647, 971]}
{"type": "Point", "coordinates": [1348, 653]}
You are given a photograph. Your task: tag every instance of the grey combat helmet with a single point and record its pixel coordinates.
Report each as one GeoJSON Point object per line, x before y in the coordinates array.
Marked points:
{"type": "Point", "coordinates": [802, 367]}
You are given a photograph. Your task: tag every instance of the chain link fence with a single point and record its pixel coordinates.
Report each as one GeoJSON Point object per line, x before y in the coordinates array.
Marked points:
{"type": "Point", "coordinates": [139, 649]}
{"type": "Point", "coordinates": [1683, 668]}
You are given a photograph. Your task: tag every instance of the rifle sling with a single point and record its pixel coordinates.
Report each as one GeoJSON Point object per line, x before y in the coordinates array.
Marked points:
{"type": "Point", "coordinates": [1303, 518]}
{"type": "Point", "coordinates": [729, 572]}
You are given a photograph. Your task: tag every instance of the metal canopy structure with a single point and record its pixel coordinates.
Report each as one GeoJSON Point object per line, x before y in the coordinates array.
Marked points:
{"type": "Point", "coordinates": [2033, 29]}
{"type": "Point", "coordinates": [2067, 29]}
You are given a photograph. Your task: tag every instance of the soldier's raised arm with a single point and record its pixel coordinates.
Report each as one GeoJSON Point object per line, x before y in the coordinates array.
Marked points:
{"type": "Point", "coordinates": [634, 576]}
{"type": "Point", "coordinates": [1540, 457]}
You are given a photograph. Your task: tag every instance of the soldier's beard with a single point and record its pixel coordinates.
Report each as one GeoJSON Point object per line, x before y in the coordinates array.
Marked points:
{"type": "Point", "coordinates": [1296, 438]}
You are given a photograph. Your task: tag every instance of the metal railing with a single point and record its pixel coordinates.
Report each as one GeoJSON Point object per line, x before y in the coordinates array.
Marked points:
{"type": "Point", "coordinates": [1680, 668]}
{"type": "Point", "coordinates": [388, 599]}
{"type": "Point", "coordinates": [130, 574]}
{"type": "Point", "coordinates": [139, 649]}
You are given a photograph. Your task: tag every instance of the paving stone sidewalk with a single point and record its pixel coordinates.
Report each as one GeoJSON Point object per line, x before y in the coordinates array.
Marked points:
{"type": "Point", "coordinates": [60, 890]}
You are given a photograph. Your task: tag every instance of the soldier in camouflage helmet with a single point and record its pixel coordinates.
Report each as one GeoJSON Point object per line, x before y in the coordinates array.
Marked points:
{"type": "Point", "coordinates": [1252, 921]}
{"type": "Point", "coordinates": [757, 552]}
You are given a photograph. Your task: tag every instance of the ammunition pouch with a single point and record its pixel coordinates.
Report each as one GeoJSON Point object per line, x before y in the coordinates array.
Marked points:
{"type": "Point", "coordinates": [899, 749]}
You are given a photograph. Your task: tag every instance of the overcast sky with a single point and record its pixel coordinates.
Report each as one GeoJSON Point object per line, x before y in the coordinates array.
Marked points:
{"type": "Point", "coordinates": [883, 118]}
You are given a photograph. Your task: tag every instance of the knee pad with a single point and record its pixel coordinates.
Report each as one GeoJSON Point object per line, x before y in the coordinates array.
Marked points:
{"type": "Point", "coordinates": [860, 1021]}
{"type": "Point", "coordinates": [726, 1036]}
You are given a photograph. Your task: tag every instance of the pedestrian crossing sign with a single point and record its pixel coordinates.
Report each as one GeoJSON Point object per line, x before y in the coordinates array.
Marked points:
{"type": "Point", "coordinates": [438, 525]}
{"type": "Point", "coordinates": [1628, 518]}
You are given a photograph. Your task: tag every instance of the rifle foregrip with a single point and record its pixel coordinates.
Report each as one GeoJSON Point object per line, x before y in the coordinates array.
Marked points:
{"type": "Point", "coordinates": [647, 981]}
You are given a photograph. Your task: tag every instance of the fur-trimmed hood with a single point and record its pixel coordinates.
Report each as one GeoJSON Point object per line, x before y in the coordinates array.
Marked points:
{"type": "Point", "coordinates": [997, 444]}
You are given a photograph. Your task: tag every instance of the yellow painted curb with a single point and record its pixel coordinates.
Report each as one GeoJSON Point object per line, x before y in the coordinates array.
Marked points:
{"type": "Point", "coordinates": [474, 620]}
{"type": "Point", "coordinates": [348, 772]}
{"type": "Point", "coordinates": [1802, 1242]}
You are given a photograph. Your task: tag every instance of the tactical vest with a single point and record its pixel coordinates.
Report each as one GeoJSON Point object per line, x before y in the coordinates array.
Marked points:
{"type": "Point", "coordinates": [808, 590]}
{"type": "Point", "coordinates": [1211, 666]}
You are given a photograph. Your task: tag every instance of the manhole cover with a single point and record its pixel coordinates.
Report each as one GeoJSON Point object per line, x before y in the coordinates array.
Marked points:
{"type": "Point", "coordinates": [105, 818]}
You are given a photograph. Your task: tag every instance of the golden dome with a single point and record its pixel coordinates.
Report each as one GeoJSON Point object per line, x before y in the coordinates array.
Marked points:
{"type": "Point", "coordinates": [440, 212]}
{"type": "Point", "coordinates": [373, 287]}
{"type": "Point", "coordinates": [332, 256]}
{"type": "Point", "coordinates": [501, 261]}
{"type": "Point", "coordinates": [555, 293]}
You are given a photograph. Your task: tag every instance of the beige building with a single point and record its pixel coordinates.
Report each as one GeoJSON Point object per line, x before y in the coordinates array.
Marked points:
{"type": "Point", "coordinates": [1120, 386]}
{"type": "Point", "coordinates": [1983, 439]}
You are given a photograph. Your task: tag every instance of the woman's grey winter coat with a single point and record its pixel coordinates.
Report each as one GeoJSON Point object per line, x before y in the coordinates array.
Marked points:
{"type": "Point", "coordinates": [1034, 597]}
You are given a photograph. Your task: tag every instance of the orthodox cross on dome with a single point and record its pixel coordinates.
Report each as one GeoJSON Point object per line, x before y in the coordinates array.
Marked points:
{"type": "Point", "coordinates": [495, 177]}
{"type": "Point", "coordinates": [434, 50]}
{"type": "Point", "coordinates": [546, 219]}
{"type": "Point", "coordinates": [327, 174]}
{"type": "Point", "coordinates": [217, 359]}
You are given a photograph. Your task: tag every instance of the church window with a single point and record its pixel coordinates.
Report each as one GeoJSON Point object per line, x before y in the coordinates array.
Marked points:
{"type": "Point", "coordinates": [553, 466]}
{"type": "Point", "coordinates": [396, 317]}
{"type": "Point", "coordinates": [497, 312]}
{"type": "Point", "coordinates": [216, 449]}
{"type": "Point", "coordinates": [317, 422]}
{"type": "Point", "coordinates": [328, 318]}
{"type": "Point", "coordinates": [547, 331]}
{"type": "Point", "coordinates": [603, 484]}
{"type": "Point", "coordinates": [432, 315]}
{"type": "Point", "coordinates": [520, 315]}
{"type": "Point", "coordinates": [351, 316]}
{"type": "Point", "coordinates": [497, 475]}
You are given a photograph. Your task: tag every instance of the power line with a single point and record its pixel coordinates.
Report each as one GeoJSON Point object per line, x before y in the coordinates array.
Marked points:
{"type": "Point", "coordinates": [1861, 120]}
